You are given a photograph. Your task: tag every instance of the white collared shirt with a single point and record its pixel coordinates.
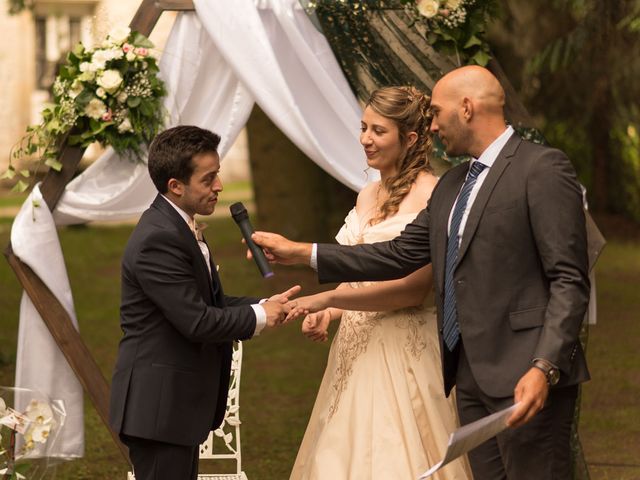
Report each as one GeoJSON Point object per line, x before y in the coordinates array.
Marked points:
{"type": "Point", "coordinates": [261, 315]}
{"type": "Point", "coordinates": [488, 158]}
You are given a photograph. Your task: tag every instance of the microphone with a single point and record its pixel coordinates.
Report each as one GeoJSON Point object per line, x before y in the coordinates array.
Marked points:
{"type": "Point", "coordinates": [241, 217]}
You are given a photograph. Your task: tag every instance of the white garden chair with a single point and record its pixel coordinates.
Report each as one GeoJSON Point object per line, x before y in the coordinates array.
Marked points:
{"type": "Point", "coordinates": [227, 437]}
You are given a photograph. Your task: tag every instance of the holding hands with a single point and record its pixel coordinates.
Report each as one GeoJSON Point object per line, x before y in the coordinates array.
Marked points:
{"type": "Point", "coordinates": [279, 306]}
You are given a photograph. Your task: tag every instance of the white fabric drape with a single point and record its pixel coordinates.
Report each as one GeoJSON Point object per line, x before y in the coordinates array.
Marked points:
{"type": "Point", "coordinates": [216, 64]}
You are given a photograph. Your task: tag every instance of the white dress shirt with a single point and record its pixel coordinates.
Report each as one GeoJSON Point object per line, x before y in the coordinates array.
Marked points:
{"type": "Point", "coordinates": [488, 158]}
{"type": "Point", "coordinates": [261, 315]}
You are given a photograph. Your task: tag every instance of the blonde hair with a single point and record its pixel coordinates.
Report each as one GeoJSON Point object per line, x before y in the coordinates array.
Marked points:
{"type": "Point", "coordinates": [408, 107]}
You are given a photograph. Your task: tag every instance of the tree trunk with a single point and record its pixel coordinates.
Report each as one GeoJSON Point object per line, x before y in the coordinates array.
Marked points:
{"type": "Point", "coordinates": [293, 195]}
{"type": "Point", "coordinates": [600, 126]}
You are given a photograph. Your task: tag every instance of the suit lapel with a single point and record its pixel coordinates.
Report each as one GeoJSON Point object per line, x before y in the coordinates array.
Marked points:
{"type": "Point", "coordinates": [495, 172]}
{"type": "Point", "coordinates": [188, 239]}
{"type": "Point", "coordinates": [454, 178]}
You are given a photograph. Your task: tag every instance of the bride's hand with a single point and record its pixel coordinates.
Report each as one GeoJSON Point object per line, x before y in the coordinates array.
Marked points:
{"type": "Point", "coordinates": [308, 304]}
{"type": "Point", "coordinates": [315, 326]}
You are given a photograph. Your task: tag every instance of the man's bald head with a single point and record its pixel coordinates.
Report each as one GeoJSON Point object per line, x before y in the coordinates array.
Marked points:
{"type": "Point", "coordinates": [476, 83]}
{"type": "Point", "coordinates": [468, 110]}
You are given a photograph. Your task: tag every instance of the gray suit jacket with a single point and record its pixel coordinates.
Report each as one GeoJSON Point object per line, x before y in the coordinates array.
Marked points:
{"type": "Point", "coordinates": [521, 280]}
{"type": "Point", "coordinates": [172, 372]}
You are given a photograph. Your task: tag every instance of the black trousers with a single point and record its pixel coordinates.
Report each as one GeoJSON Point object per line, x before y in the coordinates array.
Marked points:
{"type": "Point", "coordinates": [538, 450]}
{"type": "Point", "coordinates": [161, 461]}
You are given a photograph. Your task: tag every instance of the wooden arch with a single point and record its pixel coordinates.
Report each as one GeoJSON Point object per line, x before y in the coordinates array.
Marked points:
{"type": "Point", "coordinates": [50, 309]}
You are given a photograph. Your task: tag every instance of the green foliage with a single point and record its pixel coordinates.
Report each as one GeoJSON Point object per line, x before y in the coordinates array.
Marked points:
{"type": "Point", "coordinates": [586, 78]}
{"type": "Point", "coordinates": [456, 27]}
{"type": "Point", "coordinates": [17, 6]}
{"type": "Point", "coordinates": [110, 94]}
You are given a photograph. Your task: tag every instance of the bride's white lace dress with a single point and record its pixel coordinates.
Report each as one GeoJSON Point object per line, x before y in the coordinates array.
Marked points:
{"type": "Point", "coordinates": [380, 413]}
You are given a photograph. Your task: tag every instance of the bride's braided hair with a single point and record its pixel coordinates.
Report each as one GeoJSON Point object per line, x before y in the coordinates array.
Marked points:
{"type": "Point", "coordinates": [408, 107]}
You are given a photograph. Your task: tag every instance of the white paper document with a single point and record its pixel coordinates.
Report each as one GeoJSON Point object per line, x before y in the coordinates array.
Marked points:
{"type": "Point", "coordinates": [470, 436]}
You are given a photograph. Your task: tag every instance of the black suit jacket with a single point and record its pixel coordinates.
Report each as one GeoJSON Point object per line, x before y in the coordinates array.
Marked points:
{"type": "Point", "coordinates": [521, 280]}
{"type": "Point", "coordinates": [172, 372]}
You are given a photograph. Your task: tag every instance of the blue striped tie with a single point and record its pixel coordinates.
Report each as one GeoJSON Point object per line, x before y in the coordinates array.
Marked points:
{"type": "Point", "coordinates": [450, 329]}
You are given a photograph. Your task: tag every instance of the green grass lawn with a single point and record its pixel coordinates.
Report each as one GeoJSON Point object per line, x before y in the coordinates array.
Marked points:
{"type": "Point", "coordinates": [282, 370]}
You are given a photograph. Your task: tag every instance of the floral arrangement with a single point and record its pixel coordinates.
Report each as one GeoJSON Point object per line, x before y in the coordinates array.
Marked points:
{"type": "Point", "coordinates": [456, 27]}
{"type": "Point", "coordinates": [28, 432]}
{"type": "Point", "coordinates": [110, 94]}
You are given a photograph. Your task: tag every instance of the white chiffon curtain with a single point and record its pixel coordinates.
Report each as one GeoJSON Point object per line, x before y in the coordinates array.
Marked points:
{"type": "Point", "coordinates": [217, 63]}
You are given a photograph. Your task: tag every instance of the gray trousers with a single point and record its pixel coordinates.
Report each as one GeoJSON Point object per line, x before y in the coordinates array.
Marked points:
{"type": "Point", "coordinates": [538, 450]}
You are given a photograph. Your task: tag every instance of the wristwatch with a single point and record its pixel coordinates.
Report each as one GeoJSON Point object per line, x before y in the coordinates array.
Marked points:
{"type": "Point", "coordinates": [549, 370]}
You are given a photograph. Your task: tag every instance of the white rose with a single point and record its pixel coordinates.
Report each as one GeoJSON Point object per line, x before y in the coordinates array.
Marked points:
{"type": "Point", "coordinates": [131, 56]}
{"type": "Point", "coordinates": [116, 53]}
{"type": "Point", "coordinates": [125, 126]}
{"type": "Point", "coordinates": [110, 80]}
{"type": "Point", "coordinates": [101, 92]}
{"type": "Point", "coordinates": [122, 97]}
{"type": "Point", "coordinates": [87, 67]}
{"type": "Point", "coordinates": [100, 59]}
{"type": "Point", "coordinates": [428, 8]}
{"type": "Point", "coordinates": [453, 4]}
{"type": "Point", "coordinates": [95, 109]}
{"type": "Point", "coordinates": [119, 34]}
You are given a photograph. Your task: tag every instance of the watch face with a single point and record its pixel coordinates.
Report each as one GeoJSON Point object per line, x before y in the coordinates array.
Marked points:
{"type": "Point", "coordinates": [553, 376]}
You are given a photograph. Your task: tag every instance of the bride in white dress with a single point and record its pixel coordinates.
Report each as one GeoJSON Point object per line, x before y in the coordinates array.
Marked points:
{"type": "Point", "coordinates": [381, 413]}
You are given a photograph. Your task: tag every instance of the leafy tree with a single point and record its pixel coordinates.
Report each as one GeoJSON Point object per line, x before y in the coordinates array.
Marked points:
{"type": "Point", "coordinates": [579, 76]}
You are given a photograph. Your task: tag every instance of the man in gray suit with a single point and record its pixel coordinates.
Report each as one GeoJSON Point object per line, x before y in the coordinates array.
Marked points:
{"type": "Point", "coordinates": [171, 378]}
{"type": "Point", "coordinates": [506, 236]}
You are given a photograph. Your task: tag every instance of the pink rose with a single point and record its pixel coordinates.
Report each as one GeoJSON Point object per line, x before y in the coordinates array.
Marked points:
{"type": "Point", "coordinates": [107, 116]}
{"type": "Point", "coordinates": [444, 12]}
{"type": "Point", "coordinates": [143, 52]}
{"type": "Point", "coordinates": [127, 47]}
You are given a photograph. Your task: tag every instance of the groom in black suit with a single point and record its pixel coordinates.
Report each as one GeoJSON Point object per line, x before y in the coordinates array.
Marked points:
{"type": "Point", "coordinates": [506, 236]}
{"type": "Point", "coordinates": [171, 378]}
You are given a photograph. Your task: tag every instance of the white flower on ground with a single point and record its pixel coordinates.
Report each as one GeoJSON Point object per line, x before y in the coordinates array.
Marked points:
{"type": "Point", "coordinates": [125, 126]}
{"type": "Point", "coordinates": [110, 80]}
{"type": "Point", "coordinates": [39, 412]}
{"type": "Point", "coordinates": [95, 109]}
{"type": "Point", "coordinates": [119, 34]}
{"type": "Point", "coordinates": [428, 8]}
{"type": "Point", "coordinates": [122, 97]}
{"type": "Point", "coordinates": [453, 4]}
{"type": "Point", "coordinates": [40, 433]}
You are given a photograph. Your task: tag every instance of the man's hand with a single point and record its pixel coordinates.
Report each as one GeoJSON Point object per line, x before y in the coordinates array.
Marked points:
{"type": "Point", "coordinates": [531, 391]}
{"type": "Point", "coordinates": [285, 296]}
{"type": "Point", "coordinates": [276, 312]}
{"type": "Point", "coordinates": [315, 326]}
{"type": "Point", "coordinates": [279, 249]}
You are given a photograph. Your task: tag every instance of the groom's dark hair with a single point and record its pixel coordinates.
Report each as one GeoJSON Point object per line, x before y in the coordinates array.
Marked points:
{"type": "Point", "coordinates": [172, 151]}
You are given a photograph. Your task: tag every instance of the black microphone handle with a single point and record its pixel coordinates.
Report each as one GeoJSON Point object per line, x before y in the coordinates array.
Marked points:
{"type": "Point", "coordinates": [256, 251]}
